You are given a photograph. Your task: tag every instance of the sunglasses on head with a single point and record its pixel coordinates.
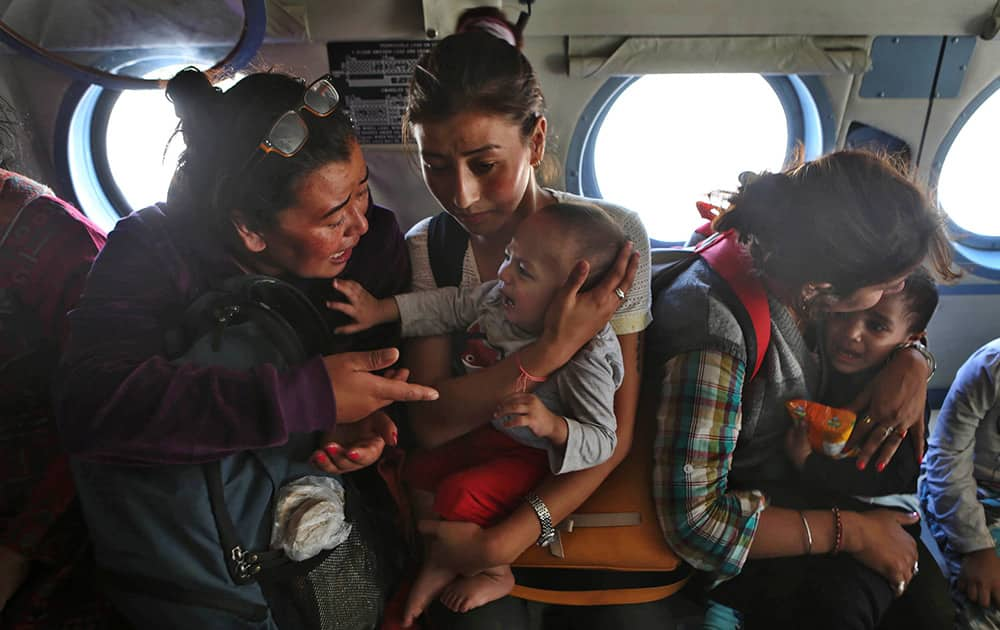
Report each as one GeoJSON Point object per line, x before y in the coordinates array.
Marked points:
{"type": "Point", "coordinates": [289, 133]}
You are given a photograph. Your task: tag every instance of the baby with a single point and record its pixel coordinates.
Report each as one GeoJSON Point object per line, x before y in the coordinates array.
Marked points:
{"type": "Point", "coordinates": [567, 424]}
{"type": "Point", "coordinates": [855, 346]}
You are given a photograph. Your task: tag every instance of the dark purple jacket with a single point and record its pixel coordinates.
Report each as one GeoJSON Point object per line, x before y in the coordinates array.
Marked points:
{"type": "Point", "coordinates": [119, 399]}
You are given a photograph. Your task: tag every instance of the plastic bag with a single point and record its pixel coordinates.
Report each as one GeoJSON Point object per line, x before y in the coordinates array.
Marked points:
{"type": "Point", "coordinates": [309, 517]}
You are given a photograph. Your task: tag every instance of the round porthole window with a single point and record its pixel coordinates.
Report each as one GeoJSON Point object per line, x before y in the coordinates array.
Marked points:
{"type": "Point", "coordinates": [121, 148]}
{"type": "Point", "coordinates": [659, 143]}
{"type": "Point", "coordinates": [966, 173]}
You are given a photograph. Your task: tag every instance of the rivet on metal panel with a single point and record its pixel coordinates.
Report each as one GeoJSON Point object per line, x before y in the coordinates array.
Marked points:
{"type": "Point", "coordinates": [432, 33]}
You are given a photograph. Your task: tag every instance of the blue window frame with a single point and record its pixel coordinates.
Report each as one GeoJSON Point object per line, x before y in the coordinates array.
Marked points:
{"type": "Point", "coordinates": [120, 152]}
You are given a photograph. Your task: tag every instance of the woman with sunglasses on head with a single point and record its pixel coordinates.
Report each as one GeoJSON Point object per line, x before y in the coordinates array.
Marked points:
{"type": "Point", "coordinates": [477, 114]}
{"type": "Point", "coordinates": [272, 182]}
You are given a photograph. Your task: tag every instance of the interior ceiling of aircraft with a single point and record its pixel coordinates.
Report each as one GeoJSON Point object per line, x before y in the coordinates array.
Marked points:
{"type": "Point", "coordinates": [104, 24]}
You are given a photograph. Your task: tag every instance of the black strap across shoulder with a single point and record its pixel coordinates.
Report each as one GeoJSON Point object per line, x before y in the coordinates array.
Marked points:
{"type": "Point", "coordinates": [244, 564]}
{"type": "Point", "coordinates": [291, 328]}
{"type": "Point", "coordinates": [446, 245]}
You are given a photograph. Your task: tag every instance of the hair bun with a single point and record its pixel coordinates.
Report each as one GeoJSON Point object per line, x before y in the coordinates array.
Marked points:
{"type": "Point", "coordinates": [194, 97]}
{"type": "Point", "coordinates": [748, 177]}
{"type": "Point", "coordinates": [491, 21]}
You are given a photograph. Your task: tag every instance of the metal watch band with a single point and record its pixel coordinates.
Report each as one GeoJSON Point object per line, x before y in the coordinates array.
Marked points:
{"type": "Point", "coordinates": [544, 519]}
{"type": "Point", "coordinates": [924, 352]}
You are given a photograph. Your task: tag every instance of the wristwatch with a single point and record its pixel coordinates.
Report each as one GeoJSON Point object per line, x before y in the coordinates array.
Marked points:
{"type": "Point", "coordinates": [544, 519]}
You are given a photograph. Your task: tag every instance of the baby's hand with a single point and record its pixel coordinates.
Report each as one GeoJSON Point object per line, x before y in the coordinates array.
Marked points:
{"type": "Point", "coordinates": [980, 577]}
{"type": "Point", "coordinates": [526, 410]}
{"type": "Point", "coordinates": [797, 444]}
{"type": "Point", "coordinates": [362, 306]}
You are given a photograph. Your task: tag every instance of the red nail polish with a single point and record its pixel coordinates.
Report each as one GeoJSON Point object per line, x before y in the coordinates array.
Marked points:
{"type": "Point", "coordinates": [353, 456]}
{"type": "Point", "coordinates": [862, 464]}
{"type": "Point", "coordinates": [881, 466]}
{"type": "Point", "coordinates": [395, 439]}
{"type": "Point", "coordinates": [332, 449]}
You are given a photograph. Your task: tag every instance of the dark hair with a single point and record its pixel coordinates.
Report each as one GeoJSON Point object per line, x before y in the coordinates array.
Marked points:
{"type": "Point", "coordinates": [222, 131]}
{"type": "Point", "coordinates": [469, 18]}
{"type": "Point", "coordinates": [921, 296]}
{"type": "Point", "coordinates": [474, 71]}
{"type": "Point", "coordinates": [851, 218]}
{"type": "Point", "coordinates": [597, 237]}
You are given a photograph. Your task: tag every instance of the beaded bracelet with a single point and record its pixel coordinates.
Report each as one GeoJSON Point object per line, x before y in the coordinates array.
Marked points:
{"type": "Point", "coordinates": [525, 377]}
{"type": "Point", "coordinates": [838, 532]}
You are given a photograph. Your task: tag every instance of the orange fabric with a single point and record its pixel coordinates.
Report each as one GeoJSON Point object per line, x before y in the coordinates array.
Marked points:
{"type": "Point", "coordinates": [630, 548]}
{"type": "Point", "coordinates": [599, 598]}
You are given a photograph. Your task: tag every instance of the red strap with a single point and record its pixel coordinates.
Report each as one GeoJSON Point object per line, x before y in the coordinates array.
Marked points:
{"type": "Point", "coordinates": [729, 260]}
{"type": "Point", "coordinates": [705, 229]}
{"type": "Point", "coordinates": [709, 213]}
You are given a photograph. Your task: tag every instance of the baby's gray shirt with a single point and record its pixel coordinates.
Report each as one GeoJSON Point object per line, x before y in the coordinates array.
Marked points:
{"type": "Point", "coordinates": [582, 391]}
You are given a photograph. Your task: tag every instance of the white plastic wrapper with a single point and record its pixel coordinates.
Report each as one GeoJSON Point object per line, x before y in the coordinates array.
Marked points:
{"type": "Point", "coordinates": [309, 517]}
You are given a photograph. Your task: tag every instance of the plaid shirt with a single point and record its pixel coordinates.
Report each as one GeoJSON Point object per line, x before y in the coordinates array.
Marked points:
{"type": "Point", "coordinates": [698, 421]}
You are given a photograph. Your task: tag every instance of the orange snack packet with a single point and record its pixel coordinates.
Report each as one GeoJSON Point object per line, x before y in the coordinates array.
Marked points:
{"type": "Point", "coordinates": [829, 427]}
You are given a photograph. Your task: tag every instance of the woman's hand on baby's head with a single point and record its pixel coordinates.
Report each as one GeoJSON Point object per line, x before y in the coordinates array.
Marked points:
{"type": "Point", "coordinates": [364, 308]}
{"type": "Point", "coordinates": [573, 318]}
{"type": "Point", "coordinates": [797, 445]}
